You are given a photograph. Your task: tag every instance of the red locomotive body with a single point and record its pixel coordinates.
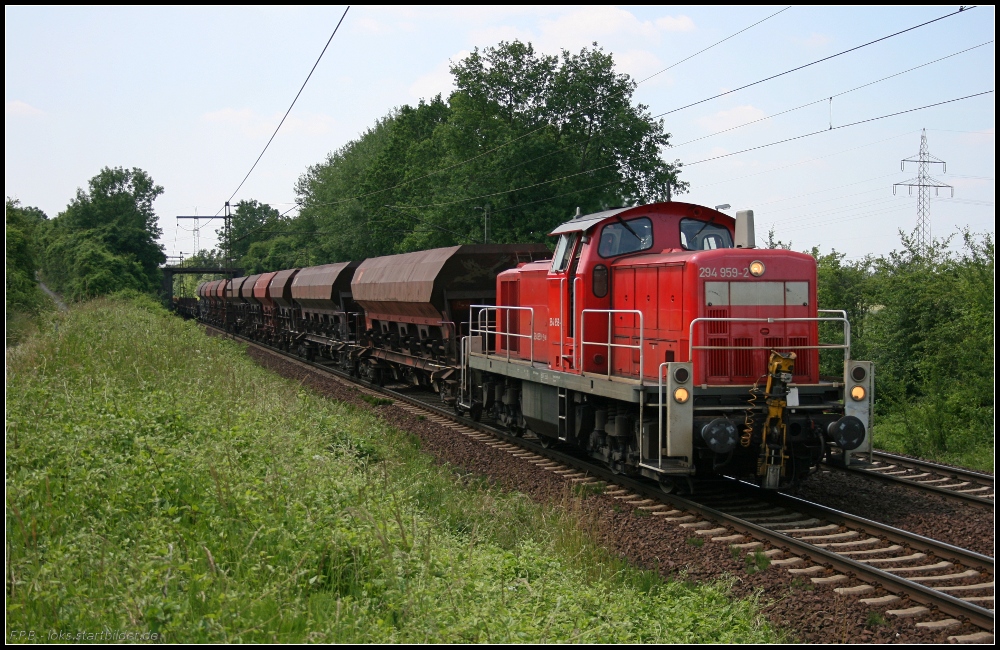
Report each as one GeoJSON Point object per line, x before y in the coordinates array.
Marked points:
{"type": "Point", "coordinates": [588, 348]}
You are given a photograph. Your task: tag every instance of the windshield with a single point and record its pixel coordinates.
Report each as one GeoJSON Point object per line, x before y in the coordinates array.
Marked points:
{"type": "Point", "coordinates": [621, 238]}
{"type": "Point", "coordinates": [704, 235]}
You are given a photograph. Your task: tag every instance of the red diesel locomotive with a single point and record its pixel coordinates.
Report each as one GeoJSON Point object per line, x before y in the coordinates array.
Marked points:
{"type": "Point", "coordinates": [656, 339]}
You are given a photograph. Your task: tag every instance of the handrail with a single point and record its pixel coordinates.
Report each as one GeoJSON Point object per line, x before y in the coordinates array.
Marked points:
{"type": "Point", "coordinates": [846, 346]}
{"type": "Point", "coordinates": [660, 376]}
{"type": "Point", "coordinates": [562, 321]}
{"type": "Point", "coordinates": [609, 344]}
{"type": "Point", "coordinates": [576, 327]}
{"type": "Point", "coordinates": [484, 330]}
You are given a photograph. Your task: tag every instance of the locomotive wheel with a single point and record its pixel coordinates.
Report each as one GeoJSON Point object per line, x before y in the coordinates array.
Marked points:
{"type": "Point", "coordinates": [667, 484]}
{"type": "Point", "coordinates": [546, 442]}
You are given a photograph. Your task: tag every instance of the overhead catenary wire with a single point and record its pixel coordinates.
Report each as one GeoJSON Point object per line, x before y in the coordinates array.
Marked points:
{"type": "Point", "coordinates": [830, 97]}
{"type": "Point", "coordinates": [770, 144]}
{"type": "Point", "coordinates": [525, 135]}
{"type": "Point", "coordinates": [842, 126]}
{"type": "Point", "coordinates": [308, 77]}
{"type": "Point", "coordinates": [817, 61]}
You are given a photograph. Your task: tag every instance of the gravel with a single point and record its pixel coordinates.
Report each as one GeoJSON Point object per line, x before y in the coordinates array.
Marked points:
{"type": "Point", "coordinates": [809, 613]}
{"type": "Point", "coordinates": [919, 512]}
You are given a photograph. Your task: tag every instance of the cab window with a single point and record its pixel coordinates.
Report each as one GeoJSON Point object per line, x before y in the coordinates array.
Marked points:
{"type": "Point", "coordinates": [626, 237]}
{"type": "Point", "coordinates": [564, 251]}
{"type": "Point", "coordinates": [704, 235]}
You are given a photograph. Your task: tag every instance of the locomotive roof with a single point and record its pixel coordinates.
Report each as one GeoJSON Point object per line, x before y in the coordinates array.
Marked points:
{"type": "Point", "coordinates": [585, 221]}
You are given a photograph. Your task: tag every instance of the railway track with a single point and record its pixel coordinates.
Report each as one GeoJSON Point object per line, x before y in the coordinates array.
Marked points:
{"type": "Point", "coordinates": [967, 486]}
{"type": "Point", "coordinates": [856, 556]}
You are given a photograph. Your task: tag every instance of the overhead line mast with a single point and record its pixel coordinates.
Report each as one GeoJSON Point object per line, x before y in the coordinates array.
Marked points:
{"type": "Point", "coordinates": [923, 182]}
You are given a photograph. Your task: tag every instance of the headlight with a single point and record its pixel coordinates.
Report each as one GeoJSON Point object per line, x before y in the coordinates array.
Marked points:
{"type": "Point", "coordinates": [756, 268]}
{"type": "Point", "coordinates": [858, 393]}
{"type": "Point", "coordinates": [681, 395]}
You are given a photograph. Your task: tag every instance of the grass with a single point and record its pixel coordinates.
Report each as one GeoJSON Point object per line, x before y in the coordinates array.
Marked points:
{"type": "Point", "coordinates": [756, 562]}
{"type": "Point", "coordinates": [875, 619]}
{"type": "Point", "coordinates": [696, 542]}
{"type": "Point", "coordinates": [928, 429]}
{"type": "Point", "coordinates": [376, 401]}
{"type": "Point", "coordinates": [159, 481]}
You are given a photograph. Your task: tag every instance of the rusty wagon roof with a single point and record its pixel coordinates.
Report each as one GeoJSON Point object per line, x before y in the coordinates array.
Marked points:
{"type": "Point", "coordinates": [316, 282]}
{"type": "Point", "coordinates": [246, 291]}
{"type": "Point", "coordinates": [281, 287]}
{"type": "Point", "coordinates": [233, 290]}
{"type": "Point", "coordinates": [411, 277]}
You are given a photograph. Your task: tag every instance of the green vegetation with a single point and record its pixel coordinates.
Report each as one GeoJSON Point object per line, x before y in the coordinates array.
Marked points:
{"type": "Point", "coordinates": [756, 562]}
{"type": "Point", "coordinates": [875, 619]}
{"type": "Point", "coordinates": [105, 240]}
{"type": "Point", "coordinates": [25, 301]}
{"type": "Point", "coordinates": [157, 480]}
{"type": "Point", "coordinates": [696, 542]}
{"type": "Point", "coordinates": [376, 401]}
{"type": "Point", "coordinates": [925, 317]}
{"type": "Point", "coordinates": [562, 130]}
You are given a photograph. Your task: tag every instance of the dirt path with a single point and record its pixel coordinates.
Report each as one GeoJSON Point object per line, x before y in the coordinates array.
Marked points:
{"type": "Point", "coordinates": [52, 294]}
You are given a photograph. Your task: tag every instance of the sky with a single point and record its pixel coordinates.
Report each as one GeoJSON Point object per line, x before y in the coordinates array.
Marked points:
{"type": "Point", "coordinates": [192, 95]}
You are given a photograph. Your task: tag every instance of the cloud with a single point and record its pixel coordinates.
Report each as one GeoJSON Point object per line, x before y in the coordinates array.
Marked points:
{"type": "Point", "coordinates": [678, 24]}
{"type": "Point", "coordinates": [438, 80]}
{"type": "Point", "coordinates": [17, 108]}
{"type": "Point", "coordinates": [581, 27]}
{"type": "Point", "coordinates": [255, 125]}
{"type": "Point", "coordinates": [729, 118]}
{"type": "Point", "coordinates": [815, 40]}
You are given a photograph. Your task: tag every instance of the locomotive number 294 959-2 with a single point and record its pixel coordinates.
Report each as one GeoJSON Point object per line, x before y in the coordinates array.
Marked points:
{"type": "Point", "coordinates": [723, 272]}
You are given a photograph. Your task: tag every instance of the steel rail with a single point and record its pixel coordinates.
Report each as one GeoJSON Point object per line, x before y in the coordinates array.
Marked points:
{"type": "Point", "coordinates": [941, 471]}
{"type": "Point", "coordinates": [979, 616]}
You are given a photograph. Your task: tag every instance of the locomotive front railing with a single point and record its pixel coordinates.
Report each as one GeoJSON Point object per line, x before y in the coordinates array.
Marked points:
{"type": "Point", "coordinates": [483, 328]}
{"type": "Point", "coordinates": [582, 341]}
{"type": "Point", "coordinates": [845, 346]}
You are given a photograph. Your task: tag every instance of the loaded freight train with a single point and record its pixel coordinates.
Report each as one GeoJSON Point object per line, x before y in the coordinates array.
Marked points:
{"type": "Point", "coordinates": [656, 339]}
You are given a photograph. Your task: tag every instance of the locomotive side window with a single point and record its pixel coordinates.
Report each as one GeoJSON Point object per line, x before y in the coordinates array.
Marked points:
{"type": "Point", "coordinates": [600, 281]}
{"type": "Point", "coordinates": [564, 251]}
{"type": "Point", "coordinates": [704, 235]}
{"type": "Point", "coordinates": [626, 237]}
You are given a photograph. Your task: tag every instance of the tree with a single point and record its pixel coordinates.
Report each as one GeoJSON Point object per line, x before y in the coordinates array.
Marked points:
{"type": "Point", "coordinates": [111, 226]}
{"type": "Point", "coordinates": [23, 226]}
{"type": "Point", "coordinates": [251, 222]}
{"type": "Point", "coordinates": [527, 136]}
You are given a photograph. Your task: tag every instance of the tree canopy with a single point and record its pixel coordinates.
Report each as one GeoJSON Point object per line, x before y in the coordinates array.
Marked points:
{"type": "Point", "coordinates": [23, 226]}
{"type": "Point", "coordinates": [526, 137]}
{"type": "Point", "coordinates": [106, 238]}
